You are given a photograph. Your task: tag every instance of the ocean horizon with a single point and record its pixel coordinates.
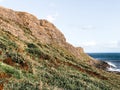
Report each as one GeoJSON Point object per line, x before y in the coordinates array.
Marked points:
{"type": "Point", "coordinates": [113, 59]}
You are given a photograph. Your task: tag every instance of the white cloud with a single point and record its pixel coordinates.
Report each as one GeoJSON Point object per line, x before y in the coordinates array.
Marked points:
{"type": "Point", "coordinates": [110, 44]}
{"type": "Point", "coordinates": [52, 4]}
{"type": "Point", "coordinates": [2, 0]}
{"type": "Point", "coordinates": [88, 27]}
{"type": "Point", "coordinates": [89, 44]}
{"type": "Point", "coordinates": [95, 46]}
{"type": "Point", "coordinates": [52, 18]}
{"type": "Point", "coordinates": [118, 43]}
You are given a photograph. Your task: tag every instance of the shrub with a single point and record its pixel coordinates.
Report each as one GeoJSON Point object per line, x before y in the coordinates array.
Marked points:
{"type": "Point", "coordinates": [16, 57]}
{"type": "Point", "coordinates": [31, 45]}
{"type": "Point", "coordinates": [34, 51]}
{"type": "Point", "coordinates": [2, 46]}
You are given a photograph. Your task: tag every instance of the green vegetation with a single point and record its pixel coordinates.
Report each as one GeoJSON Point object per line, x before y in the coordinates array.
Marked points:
{"type": "Point", "coordinates": [55, 68]}
{"type": "Point", "coordinates": [37, 66]}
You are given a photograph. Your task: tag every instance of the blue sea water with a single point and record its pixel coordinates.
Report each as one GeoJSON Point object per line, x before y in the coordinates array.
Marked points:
{"type": "Point", "coordinates": [113, 59]}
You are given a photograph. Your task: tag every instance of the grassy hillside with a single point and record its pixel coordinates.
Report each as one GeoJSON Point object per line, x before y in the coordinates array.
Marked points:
{"type": "Point", "coordinates": [35, 56]}
{"type": "Point", "coordinates": [34, 66]}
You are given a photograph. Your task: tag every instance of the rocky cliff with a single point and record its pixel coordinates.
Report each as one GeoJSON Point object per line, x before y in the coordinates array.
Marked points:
{"type": "Point", "coordinates": [21, 23]}
{"type": "Point", "coordinates": [34, 55]}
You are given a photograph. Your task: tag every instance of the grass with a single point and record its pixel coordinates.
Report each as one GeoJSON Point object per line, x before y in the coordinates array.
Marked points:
{"type": "Point", "coordinates": [54, 67]}
{"type": "Point", "coordinates": [10, 70]}
{"type": "Point", "coordinates": [69, 80]}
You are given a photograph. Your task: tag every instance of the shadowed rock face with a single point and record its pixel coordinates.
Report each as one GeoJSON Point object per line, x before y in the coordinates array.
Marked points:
{"type": "Point", "coordinates": [102, 65]}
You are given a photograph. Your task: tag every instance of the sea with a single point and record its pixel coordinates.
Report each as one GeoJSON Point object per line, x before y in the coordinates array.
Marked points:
{"type": "Point", "coordinates": [113, 59]}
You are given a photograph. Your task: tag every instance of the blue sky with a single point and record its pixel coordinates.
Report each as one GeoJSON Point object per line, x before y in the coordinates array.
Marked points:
{"type": "Point", "coordinates": [91, 24]}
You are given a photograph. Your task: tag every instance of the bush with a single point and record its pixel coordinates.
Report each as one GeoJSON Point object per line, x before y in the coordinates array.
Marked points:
{"type": "Point", "coordinates": [2, 46]}
{"type": "Point", "coordinates": [34, 51]}
{"type": "Point", "coordinates": [31, 45]}
{"type": "Point", "coordinates": [17, 58]}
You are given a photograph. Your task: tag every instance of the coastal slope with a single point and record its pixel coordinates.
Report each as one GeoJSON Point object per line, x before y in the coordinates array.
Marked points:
{"type": "Point", "coordinates": [34, 55]}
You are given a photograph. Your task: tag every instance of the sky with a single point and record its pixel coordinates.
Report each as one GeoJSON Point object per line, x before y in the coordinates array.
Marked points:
{"type": "Point", "coordinates": [91, 24]}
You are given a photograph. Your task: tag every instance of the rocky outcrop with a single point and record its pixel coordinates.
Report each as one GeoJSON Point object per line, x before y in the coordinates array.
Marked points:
{"type": "Point", "coordinates": [27, 27]}
{"type": "Point", "coordinates": [14, 22]}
